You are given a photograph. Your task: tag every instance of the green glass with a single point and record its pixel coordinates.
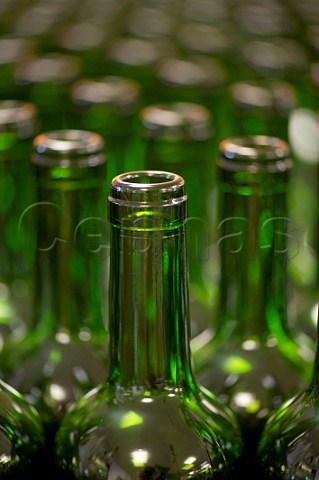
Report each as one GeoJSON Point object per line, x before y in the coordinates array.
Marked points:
{"type": "Point", "coordinates": [196, 79]}
{"type": "Point", "coordinates": [88, 41]}
{"type": "Point", "coordinates": [12, 51]}
{"type": "Point", "coordinates": [44, 80]}
{"type": "Point", "coordinates": [220, 41]}
{"type": "Point", "coordinates": [149, 417]}
{"type": "Point", "coordinates": [136, 58]}
{"type": "Point", "coordinates": [65, 353]}
{"type": "Point", "coordinates": [179, 137]}
{"type": "Point", "coordinates": [18, 125]}
{"type": "Point", "coordinates": [278, 58]}
{"type": "Point", "coordinates": [21, 436]}
{"type": "Point", "coordinates": [261, 107]}
{"type": "Point", "coordinates": [288, 447]}
{"type": "Point", "coordinates": [108, 106]}
{"type": "Point", "coordinates": [253, 362]}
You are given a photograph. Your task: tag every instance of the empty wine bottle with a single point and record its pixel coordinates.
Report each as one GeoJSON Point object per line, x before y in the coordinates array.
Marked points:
{"type": "Point", "coordinates": [13, 50]}
{"type": "Point", "coordinates": [64, 354]}
{"type": "Point", "coordinates": [108, 106]}
{"type": "Point", "coordinates": [261, 107]}
{"type": "Point", "coordinates": [195, 79]}
{"type": "Point", "coordinates": [44, 80]}
{"type": "Point", "coordinates": [253, 363]}
{"type": "Point", "coordinates": [179, 137]}
{"type": "Point", "coordinates": [18, 125]}
{"type": "Point", "coordinates": [149, 418]}
{"type": "Point", "coordinates": [135, 58]}
{"type": "Point", "coordinates": [288, 446]}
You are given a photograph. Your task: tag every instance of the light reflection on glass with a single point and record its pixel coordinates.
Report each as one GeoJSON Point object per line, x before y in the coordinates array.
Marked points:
{"type": "Point", "coordinates": [131, 419]}
{"type": "Point", "coordinates": [139, 457]}
{"type": "Point", "coordinates": [57, 392]}
{"type": "Point", "coordinates": [250, 345]}
{"type": "Point", "coordinates": [62, 337]}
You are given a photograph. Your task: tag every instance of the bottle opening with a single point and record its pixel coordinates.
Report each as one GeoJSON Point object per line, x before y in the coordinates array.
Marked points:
{"type": "Point", "coordinates": [147, 199]}
{"type": "Point", "coordinates": [258, 147]}
{"type": "Point", "coordinates": [19, 117]}
{"type": "Point", "coordinates": [68, 142]}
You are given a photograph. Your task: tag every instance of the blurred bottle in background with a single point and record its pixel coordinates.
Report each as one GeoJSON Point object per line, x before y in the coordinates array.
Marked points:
{"type": "Point", "coordinates": [179, 137]}
{"type": "Point", "coordinates": [18, 125]}
{"type": "Point", "coordinates": [64, 353]}
{"type": "Point", "coordinates": [253, 362]}
{"type": "Point", "coordinates": [109, 106]}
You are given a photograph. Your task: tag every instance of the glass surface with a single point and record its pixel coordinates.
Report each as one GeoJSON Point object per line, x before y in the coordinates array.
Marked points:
{"type": "Point", "coordinates": [288, 447]}
{"type": "Point", "coordinates": [149, 417]}
{"type": "Point", "coordinates": [253, 362]}
{"type": "Point", "coordinates": [64, 353]}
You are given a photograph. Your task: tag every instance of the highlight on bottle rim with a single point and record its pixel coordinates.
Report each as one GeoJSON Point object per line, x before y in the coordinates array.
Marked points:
{"type": "Point", "coordinates": [19, 117]}
{"type": "Point", "coordinates": [184, 120]}
{"type": "Point", "coordinates": [147, 200]}
{"type": "Point", "coordinates": [68, 142]}
{"type": "Point", "coordinates": [254, 153]}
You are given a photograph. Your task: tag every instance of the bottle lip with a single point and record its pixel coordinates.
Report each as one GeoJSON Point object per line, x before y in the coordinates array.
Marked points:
{"type": "Point", "coordinates": [147, 200]}
{"type": "Point", "coordinates": [118, 92]}
{"type": "Point", "coordinates": [57, 67]}
{"type": "Point", "coordinates": [19, 117]}
{"type": "Point", "coordinates": [145, 185]}
{"type": "Point", "coordinates": [176, 120]}
{"type": "Point", "coordinates": [67, 142]}
{"type": "Point", "coordinates": [257, 148]}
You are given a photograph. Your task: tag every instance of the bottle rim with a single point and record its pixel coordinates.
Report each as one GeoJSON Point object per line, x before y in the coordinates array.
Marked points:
{"type": "Point", "coordinates": [147, 200]}
{"type": "Point", "coordinates": [254, 148]}
{"type": "Point", "coordinates": [147, 183]}
{"type": "Point", "coordinates": [176, 120]}
{"type": "Point", "coordinates": [19, 117]}
{"type": "Point", "coordinates": [69, 142]}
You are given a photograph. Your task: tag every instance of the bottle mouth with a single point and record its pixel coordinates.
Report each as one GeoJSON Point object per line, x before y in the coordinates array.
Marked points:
{"type": "Point", "coordinates": [119, 93]}
{"type": "Point", "coordinates": [19, 117]}
{"type": "Point", "coordinates": [254, 153]}
{"type": "Point", "coordinates": [182, 120]}
{"type": "Point", "coordinates": [147, 200]}
{"type": "Point", "coordinates": [55, 146]}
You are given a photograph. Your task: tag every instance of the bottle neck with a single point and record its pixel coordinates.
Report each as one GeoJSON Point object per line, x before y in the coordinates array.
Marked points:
{"type": "Point", "coordinates": [253, 244]}
{"type": "Point", "coordinates": [148, 322]}
{"type": "Point", "coordinates": [71, 253]}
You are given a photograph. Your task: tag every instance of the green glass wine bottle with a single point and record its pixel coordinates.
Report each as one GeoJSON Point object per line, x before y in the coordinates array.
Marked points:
{"type": "Point", "coordinates": [64, 353]}
{"type": "Point", "coordinates": [253, 362]}
{"type": "Point", "coordinates": [149, 418]}
{"type": "Point", "coordinates": [107, 105]}
{"type": "Point", "coordinates": [179, 137]}
{"type": "Point", "coordinates": [13, 50]}
{"type": "Point", "coordinates": [288, 446]}
{"type": "Point", "coordinates": [135, 58]}
{"type": "Point", "coordinates": [195, 79]}
{"type": "Point", "coordinates": [18, 125]}
{"type": "Point", "coordinates": [261, 107]}
{"type": "Point", "coordinates": [44, 80]}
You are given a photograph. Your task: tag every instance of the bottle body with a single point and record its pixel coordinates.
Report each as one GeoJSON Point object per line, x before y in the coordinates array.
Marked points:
{"type": "Point", "coordinates": [288, 446]}
{"type": "Point", "coordinates": [150, 416]}
{"type": "Point", "coordinates": [64, 353]}
{"type": "Point", "coordinates": [108, 105]}
{"type": "Point", "coordinates": [253, 362]}
{"type": "Point", "coordinates": [18, 124]}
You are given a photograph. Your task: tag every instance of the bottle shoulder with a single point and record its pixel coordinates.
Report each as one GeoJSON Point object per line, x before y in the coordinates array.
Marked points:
{"type": "Point", "coordinates": [162, 430]}
{"type": "Point", "coordinates": [288, 446]}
